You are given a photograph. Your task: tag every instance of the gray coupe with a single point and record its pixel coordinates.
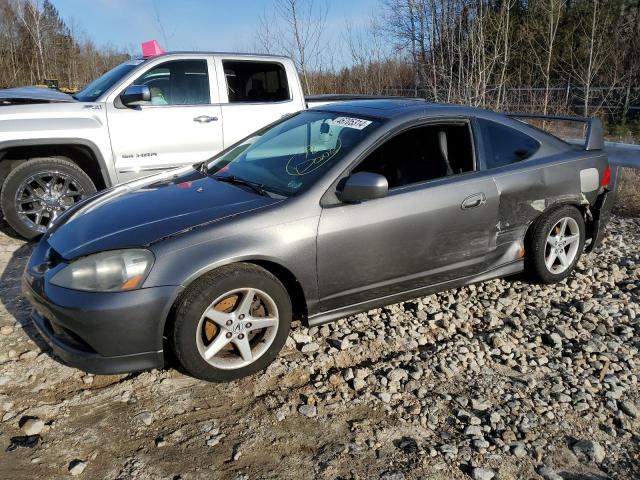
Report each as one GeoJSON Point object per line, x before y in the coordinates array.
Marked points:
{"type": "Point", "coordinates": [326, 213]}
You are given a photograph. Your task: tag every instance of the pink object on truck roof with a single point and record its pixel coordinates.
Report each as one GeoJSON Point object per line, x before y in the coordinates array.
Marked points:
{"type": "Point", "coordinates": [151, 49]}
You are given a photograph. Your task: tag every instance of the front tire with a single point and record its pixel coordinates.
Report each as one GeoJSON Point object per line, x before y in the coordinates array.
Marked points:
{"type": "Point", "coordinates": [37, 191]}
{"type": "Point", "coordinates": [554, 244]}
{"type": "Point", "coordinates": [231, 323]}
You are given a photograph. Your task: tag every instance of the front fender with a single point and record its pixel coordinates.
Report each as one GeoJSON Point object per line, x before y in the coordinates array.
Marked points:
{"type": "Point", "coordinates": [291, 245]}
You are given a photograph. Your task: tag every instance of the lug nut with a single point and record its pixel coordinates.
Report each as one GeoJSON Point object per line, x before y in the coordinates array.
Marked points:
{"type": "Point", "coordinates": [229, 334]}
{"type": "Point", "coordinates": [241, 316]}
{"type": "Point", "coordinates": [229, 322]}
{"type": "Point", "coordinates": [248, 325]}
{"type": "Point", "coordinates": [241, 336]}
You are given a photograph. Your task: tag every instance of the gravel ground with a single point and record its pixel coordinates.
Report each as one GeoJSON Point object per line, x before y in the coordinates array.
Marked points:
{"type": "Point", "coordinates": [498, 380]}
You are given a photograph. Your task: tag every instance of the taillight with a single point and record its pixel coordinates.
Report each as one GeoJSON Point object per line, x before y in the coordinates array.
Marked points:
{"type": "Point", "coordinates": [606, 177]}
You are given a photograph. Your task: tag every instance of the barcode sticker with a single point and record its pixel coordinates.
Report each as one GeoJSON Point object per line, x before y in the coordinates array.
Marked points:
{"type": "Point", "coordinates": [351, 122]}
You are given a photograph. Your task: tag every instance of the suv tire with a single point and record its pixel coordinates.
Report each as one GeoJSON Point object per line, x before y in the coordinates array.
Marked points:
{"type": "Point", "coordinates": [55, 184]}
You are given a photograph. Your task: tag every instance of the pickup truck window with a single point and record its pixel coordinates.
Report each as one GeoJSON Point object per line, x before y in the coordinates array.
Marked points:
{"type": "Point", "coordinates": [251, 82]}
{"type": "Point", "coordinates": [178, 82]}
{"type": "Point", "coordinates": [504, 145]}
{"type": "Point", "coordinates": [91, 92]}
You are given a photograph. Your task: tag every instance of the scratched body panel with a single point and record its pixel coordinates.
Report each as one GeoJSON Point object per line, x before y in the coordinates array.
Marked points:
{"type": "Point", "coordinates": [526, 190]}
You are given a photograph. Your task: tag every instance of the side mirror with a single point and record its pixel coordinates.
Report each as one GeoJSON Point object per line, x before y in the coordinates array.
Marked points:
{"type": "Point", "coordinates": [134, 94]}
{"type": "Point", "coordinates": [363, 186]}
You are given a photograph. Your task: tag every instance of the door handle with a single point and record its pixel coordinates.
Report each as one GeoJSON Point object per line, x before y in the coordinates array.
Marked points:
{"type": "Point", "coordinates": [473, 201]}
{"type": "Point", "coordinates": [205, 119]}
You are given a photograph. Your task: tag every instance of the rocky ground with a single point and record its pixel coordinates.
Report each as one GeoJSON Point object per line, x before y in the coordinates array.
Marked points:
{"type": "Point", "coordinates": [502, 380]}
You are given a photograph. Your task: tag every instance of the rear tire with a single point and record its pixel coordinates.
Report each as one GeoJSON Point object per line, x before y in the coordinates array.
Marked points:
{"type": "Point", "coordinates": [225, 313]}
{"type": "Point", "coordinates": [554, 244]}
{"type": "Point", "coordinates": [39, 190]}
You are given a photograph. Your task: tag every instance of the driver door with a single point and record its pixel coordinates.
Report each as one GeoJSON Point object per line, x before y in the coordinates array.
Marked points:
{"type": "Point", "coordinates": [181, 125]}
{"type": "Point", "coordinates": [433, 226]}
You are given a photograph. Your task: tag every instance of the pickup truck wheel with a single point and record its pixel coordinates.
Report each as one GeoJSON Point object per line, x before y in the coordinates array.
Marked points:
{"type": "Point", "coordinates": [231, 323]}
{"type": "Point", "coordinates": [37, 191]}
{"type": "Point", "coordinates": [555, 244]}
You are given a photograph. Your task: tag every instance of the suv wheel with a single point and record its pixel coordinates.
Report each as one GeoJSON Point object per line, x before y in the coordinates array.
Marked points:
{"type": "Point", "coordinates": [231, 323]}
{"type": "Point", "coordinates": [37, 191]}
{"type": "Point", "coordinates": [555, 244]}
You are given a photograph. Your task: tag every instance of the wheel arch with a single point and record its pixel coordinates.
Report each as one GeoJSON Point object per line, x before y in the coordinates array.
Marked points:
{"type": "Point", "coordinates": [84, 153]}
{"type": "Point", "coordinates": [582, 207]}
{"type": "Point", "coordinates": [282, 273]}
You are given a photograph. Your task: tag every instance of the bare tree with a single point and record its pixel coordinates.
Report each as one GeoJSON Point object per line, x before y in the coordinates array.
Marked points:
{"type": "Point", "coordinates": [29, 14]}
{"type": "Point", "coordinates": [166, 37]}
{"type": "Point", "coordinates": [587, 63]}
{"type": "Point", "coordinates": [295, 28]}
{"type": "Point", "coordinates": [542, 39]}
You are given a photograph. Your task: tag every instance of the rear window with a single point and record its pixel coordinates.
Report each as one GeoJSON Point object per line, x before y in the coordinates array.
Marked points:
{"type": "Point", "coordinates": [504, 145]}
{"type": "Point", "coordinates": [249, 82]}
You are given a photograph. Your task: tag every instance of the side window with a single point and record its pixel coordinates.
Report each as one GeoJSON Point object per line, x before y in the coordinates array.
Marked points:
{"type": "Point", "coordinates": [504, 145]}
{"type": "Point", "coordinates": [178, 82]}
{"type": "Point", "coordinates": [255, 81]}
{"type": "Point", "coordinates": [422, 153]}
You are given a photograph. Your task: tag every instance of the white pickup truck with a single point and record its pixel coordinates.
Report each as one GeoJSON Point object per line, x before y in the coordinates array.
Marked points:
{"type": "Point", "coordinates": [141, 117]}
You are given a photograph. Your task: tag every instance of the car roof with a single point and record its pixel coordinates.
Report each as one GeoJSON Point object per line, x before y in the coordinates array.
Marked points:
{"type": "Point", "coordinates": [230, 54]}
{"type": "Point", "coordinates": [388, 108]}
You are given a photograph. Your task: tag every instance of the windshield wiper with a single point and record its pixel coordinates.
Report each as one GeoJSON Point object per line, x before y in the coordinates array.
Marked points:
{"type": "Point", "coordinates": [256, 187]}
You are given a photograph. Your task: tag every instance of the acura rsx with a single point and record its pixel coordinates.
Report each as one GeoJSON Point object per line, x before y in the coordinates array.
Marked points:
{"type": "Point", "coordinates": [323, 214]}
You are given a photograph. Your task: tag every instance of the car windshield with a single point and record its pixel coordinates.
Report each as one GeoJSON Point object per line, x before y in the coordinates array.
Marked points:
{"type": "Point", "coordinates": [101, 84]}
{"type": "Point", "coordinates": [289, 157]}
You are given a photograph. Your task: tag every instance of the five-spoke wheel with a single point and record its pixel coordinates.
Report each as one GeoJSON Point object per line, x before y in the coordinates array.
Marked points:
{"type": "Point", "coordinates": [237, 328]}
{"type": "Point", "coordinates": [562, 245]}
{"type": "Point", "coordinates": [554, 244]}
{"type": "Point", "coordinates": [231, 323]}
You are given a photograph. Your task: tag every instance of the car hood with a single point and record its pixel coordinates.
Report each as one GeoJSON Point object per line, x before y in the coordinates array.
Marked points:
{"type": "Point", "coordinates": [145, 211]}
{"type": "Point", "coordinates": [21, 95]}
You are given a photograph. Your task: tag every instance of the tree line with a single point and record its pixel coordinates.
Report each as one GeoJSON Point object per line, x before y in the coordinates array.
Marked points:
{"type": "Point", "coordinates": [37, 45]}
{"type": "Point", "coordinates": [552, 56]}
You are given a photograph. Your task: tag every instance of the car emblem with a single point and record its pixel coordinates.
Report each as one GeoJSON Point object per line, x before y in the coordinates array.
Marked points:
{"type": "Point", "coordinates": [237, 328]}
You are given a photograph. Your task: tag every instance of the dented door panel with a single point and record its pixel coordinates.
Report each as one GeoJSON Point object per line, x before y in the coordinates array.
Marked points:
{"type": "Point", "coordinates": [530, 188]}
{"type": "Point", "coordinates": [416, 236]}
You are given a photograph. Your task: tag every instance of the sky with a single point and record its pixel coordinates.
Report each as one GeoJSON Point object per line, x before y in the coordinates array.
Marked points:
{"type": "Point", "coordinates": [218, 25]}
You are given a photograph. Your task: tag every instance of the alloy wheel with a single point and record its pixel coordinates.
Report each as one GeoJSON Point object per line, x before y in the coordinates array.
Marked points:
{"type": "Point", "coordinates": [562, 245]}
{"type": "Point", "coordinates": [237, 328]}
{"type": "Point", "coordinates": [42, 197]}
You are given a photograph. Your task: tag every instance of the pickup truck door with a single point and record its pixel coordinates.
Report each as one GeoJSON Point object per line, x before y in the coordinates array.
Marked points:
{"type": "Point", "coordinates": [254, 93]}
{"type": "Point", "coordinates": [182, 124]}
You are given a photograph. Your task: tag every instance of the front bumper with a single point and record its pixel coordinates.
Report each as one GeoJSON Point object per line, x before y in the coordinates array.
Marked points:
{"type": "Point", "coordinates": [101, 333]}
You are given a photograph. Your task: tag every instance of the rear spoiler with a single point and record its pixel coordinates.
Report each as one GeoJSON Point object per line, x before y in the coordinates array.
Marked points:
{"type": "Point", "coordinates": [594, 136]}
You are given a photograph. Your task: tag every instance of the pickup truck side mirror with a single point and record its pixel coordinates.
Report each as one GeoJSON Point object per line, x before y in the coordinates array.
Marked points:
{"type": "Point", "coordinates": [134, 94]}
{"type": "Point", "coordinates": [363, 186]}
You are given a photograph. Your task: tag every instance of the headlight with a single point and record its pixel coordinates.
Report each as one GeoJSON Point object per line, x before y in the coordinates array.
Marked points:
{"type": "Point", "coordinates": [113, 271]}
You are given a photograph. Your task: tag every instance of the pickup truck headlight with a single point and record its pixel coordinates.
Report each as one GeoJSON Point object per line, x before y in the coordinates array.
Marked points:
{"type": "Point", "coordinates": [112, 271]}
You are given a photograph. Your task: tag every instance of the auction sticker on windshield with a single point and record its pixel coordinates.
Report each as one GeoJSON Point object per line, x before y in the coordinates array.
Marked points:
{"type": "Point", "coordinates": [351, 122]}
